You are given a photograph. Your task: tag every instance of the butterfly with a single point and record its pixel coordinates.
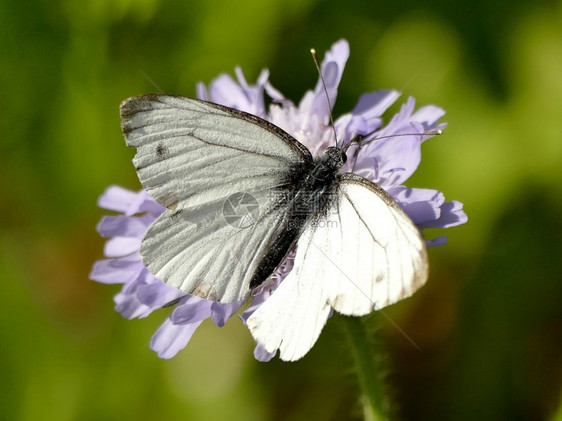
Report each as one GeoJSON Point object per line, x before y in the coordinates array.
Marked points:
{"type": "Point", "coordinates": [240, 193]}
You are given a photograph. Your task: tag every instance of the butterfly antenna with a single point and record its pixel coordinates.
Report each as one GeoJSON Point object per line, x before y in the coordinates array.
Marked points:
{"type": "Point", "coordinates": [435, 132]}
{"type": "Point", "coordinates": [359, 140]}
{"type": "Point", "coordinates": [151, 81]}
{"type": "Point", "coordinates": [317, 63]}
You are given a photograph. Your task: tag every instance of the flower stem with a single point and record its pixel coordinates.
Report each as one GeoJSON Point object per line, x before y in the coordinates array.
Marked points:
{"type": "Point", "coordinates": [368, 370]}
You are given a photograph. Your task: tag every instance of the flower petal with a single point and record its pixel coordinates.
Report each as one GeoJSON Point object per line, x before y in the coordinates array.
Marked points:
{"type": "Point", "coordinates": [116, 271]}
{"type": "Point", "coordinates": [144, 203]}
{"type": "Point", "coordinates": [116, 198]}
{"type": "Point", "coordinates": [365, 117]}
{"type": "Point", "coordinates": [130, 307]}
{"type": "Point", "coordinates": [241, 96]}
{"type": "Point", "coordinates": [262, 355]}
{"type": "Point", "coordinates": [254, 93]}
{"type": "Point", "coordinates": [201, 91]}
{"type": "Point", "coordinates": [225, 91]}
{"type": "Point", "coordinates": [421, 205]}
{"type": "Point", "coordinates": [158, 294]}
{"type": "Point", "coordinates": [121, 246]}
{"type": "Point", "coordinates": [124, 226]}
{"type": "Point", "coordinates": [221, 312]}
{"type": "Point", "coordinates": [374, 104]}
{"type": "Point", "coordinates": [428, 116]}
{"type": "Point", "coordinates": [397, 158]}
{"type": "Point", "coordinates": [452, 214]}
{"type": "Point", "coordinates": [437, 241]}
{"type": "Point", "coordinates": [171, 338]}
{"type": "Point", "coordinates": [191, 309]}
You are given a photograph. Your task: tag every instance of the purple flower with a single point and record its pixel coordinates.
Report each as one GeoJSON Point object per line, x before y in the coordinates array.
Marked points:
{"type": "Point", "coordinates": [383, 158]}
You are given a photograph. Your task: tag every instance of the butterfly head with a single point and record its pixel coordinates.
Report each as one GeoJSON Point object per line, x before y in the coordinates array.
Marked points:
{"type": "Point", "coordinates": [335, 157]}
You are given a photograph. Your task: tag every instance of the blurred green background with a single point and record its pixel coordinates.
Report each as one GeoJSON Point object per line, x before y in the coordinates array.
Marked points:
{"type": "Point", "coordinates": [489, 320]}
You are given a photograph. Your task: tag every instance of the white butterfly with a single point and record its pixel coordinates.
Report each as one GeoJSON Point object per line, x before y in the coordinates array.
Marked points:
{"type": "Point", "coordinates": [356, 248]}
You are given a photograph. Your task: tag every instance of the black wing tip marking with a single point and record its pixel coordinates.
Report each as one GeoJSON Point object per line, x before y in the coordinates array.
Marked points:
{"type": "Point", "coordinates": [136, 104]}
{"type": "Point", "coordinates": [144, 102]}
{"type": "Point", "coordinates": [147, 102]}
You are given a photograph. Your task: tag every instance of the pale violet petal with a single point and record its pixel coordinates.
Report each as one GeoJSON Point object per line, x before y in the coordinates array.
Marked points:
{"type": "Point", "coordinates": [221, 312]}
{"type": "Point", "coordinates": [421, 212]}
{"type": "Point", "coordinates": [192, 309]}
{"type": "Point", "coordinates": [121, 246]}
{"type": "Point", "coordinates": [452, 214]}
{"type": "Point", "coordinates": [124, 226]}
{"type": "Point", "coordinates": [428, 115]}
{"type": "Point", "coordinates": [374, 104]}
{"type": "Point", "coordinates": [131, 286]}
{"type": "Point", "coordinates": [262, 355]}
{"type": "Point", "coordinates": [400, 120]}
{"type": "Point", "coordinates": [144, 203]}
{"type": "Point", "coordinates": [201, 91]}
{"type": "Point", "coordinates": [158, 294]}
{"type": "Point", "coordinates": [116, 198]}
{"type": "Point", "coordinates": [130, 307]}
{"type": "Point", "coordinates": [171, 338]}
{"type": "Point", "coordinates": [397, 158]}
{"type": "Point", "coordinates": [437, 242]}
{"type": "Point", "coordinates": [421, 205]}
{"type": "Point", "coordinates": [225, 91]}
{"type": "Point", "coordinates": [115, 271]}
{"type": "Point", "coordinates": [405, 194]}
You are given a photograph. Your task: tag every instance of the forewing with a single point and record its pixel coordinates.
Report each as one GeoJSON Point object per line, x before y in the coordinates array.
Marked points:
{"type": "Point", "coordinates": [192, 157]}
{"type": "Point", "coordinates": [363, 253]}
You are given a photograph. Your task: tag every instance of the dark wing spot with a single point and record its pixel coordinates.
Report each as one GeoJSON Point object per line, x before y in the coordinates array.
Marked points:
{"type": "Point", "coordinates": [176, 214]}
{"type": "Point", "coordinates": [161, 150]}
{"type": "Point", "coordinates": [169, 201]}
{"type": "Point", "coordinates": [205, 291]}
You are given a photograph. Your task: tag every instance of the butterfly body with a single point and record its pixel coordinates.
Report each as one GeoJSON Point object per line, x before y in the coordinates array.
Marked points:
{"type": "Point", "coordinates": [307, 201]}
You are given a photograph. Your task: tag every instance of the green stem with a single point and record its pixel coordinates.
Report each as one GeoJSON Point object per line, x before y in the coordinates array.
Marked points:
{"type": "Point", "coordinates": [369, 372]}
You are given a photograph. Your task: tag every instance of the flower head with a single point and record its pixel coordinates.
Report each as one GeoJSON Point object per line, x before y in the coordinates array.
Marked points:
{"type": "Point", "coordinates": [383, 158]}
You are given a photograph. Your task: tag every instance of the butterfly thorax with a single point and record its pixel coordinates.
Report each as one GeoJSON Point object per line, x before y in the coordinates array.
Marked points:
{"type": "Point", "coordinates": [317, 186]}
{"type": "Point", "coordinates": [326, 167]}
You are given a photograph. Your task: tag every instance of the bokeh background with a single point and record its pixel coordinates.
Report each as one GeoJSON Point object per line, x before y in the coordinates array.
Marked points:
{"type": "Point", "coordinates": [489, 320]}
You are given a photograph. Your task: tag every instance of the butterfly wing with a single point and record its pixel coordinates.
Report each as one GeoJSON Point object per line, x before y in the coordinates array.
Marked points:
{"type": "Point", "coordinates": [363, 253]}
{"type": "Point", "coordinates": [219, 172]}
